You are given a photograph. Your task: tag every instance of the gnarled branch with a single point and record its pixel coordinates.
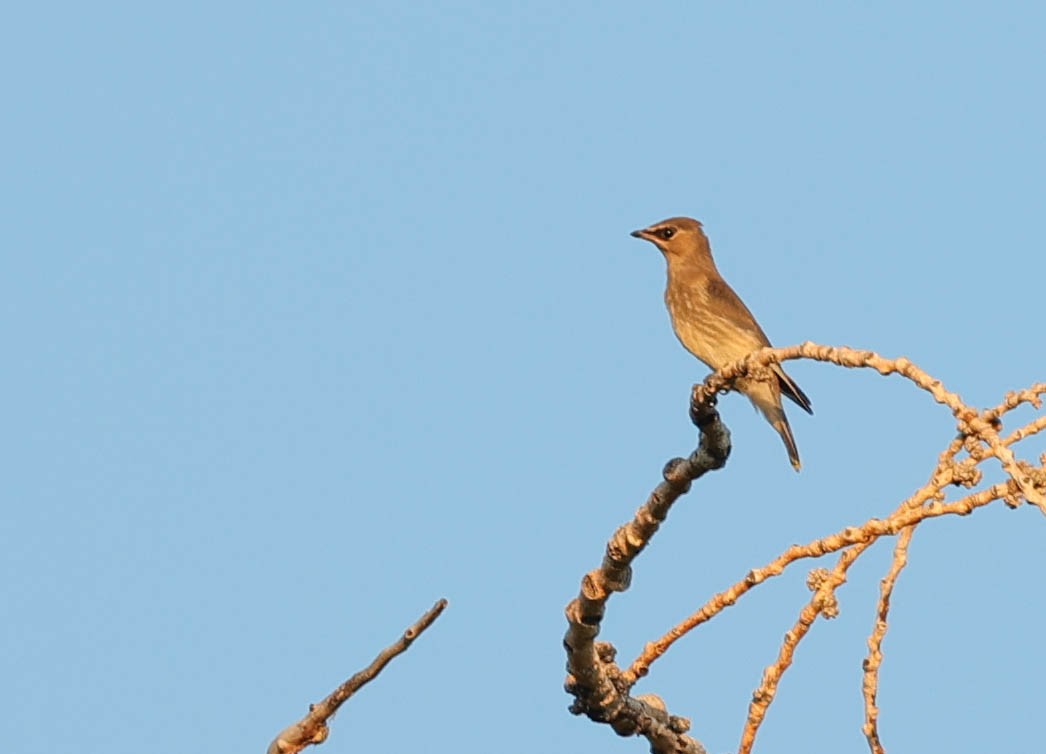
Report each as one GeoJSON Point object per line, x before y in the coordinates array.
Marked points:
{"type": "Point", "coordinates": [593, 678]}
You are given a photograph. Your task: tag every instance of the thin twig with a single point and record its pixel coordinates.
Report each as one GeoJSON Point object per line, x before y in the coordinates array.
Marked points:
{"type": "Point", "coordinates": [873, 662]}
{"type": "Point", "coordinates": [969, 420]}
{"type": "Point", "coordinates": [823, 602]}
{"type": "Point", "coordinates": [312, 729]}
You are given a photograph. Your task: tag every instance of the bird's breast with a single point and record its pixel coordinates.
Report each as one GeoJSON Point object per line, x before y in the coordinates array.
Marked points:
{"type": "Point", "coordinates": [709, 335]}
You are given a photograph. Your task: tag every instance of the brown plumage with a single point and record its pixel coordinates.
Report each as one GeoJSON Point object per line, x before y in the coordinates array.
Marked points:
{"type": "Point", "coordinates": [713, 323]}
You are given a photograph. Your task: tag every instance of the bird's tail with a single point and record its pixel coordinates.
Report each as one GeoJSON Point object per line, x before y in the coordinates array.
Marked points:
{"type": "Point", "coordinates": [783, 429]}
{"type": "Point", "coordinates": [767, 399]}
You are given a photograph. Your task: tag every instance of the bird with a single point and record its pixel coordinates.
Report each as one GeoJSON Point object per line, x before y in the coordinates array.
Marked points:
{"type": "Point", "coordinates": [713, 323]}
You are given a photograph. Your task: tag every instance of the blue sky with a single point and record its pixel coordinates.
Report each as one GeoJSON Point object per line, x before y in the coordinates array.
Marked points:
{"type": "Point", "coordinates": [315, 314]}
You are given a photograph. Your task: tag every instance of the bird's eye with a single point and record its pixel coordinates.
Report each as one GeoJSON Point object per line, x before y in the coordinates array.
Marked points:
{"type": "Point", "coordinates": [666, 233]}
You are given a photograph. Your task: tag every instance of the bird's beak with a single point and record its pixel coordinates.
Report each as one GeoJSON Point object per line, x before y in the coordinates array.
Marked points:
{"type": "Point", "coordinates": [639, 234]}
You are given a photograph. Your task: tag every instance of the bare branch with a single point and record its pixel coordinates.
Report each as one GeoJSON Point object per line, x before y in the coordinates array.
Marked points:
{"type": "Point", "coordinates": [874, 660]}
{"type": "Point", "coordinates": [312, 729]}
{"type": "Point", "coordinates": [603, 689]}
{"type": "Point", "coordinates": [593, 678]}
{"type": "Point", "coordinates": [970, 422]}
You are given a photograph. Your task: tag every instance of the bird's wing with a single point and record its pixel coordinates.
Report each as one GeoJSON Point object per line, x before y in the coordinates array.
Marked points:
{"type": "Point", "coordinates": [738, 313]}
{"type": "Point", "coordinates": [793, 391]}
{"type": "Point", "coordinates": [728, 305]}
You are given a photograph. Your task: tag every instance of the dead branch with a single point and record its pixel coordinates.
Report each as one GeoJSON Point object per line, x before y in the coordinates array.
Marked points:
{"type": "Point", "coordinates": [313, 729]}
{"type": "Point", "coordinates": [603, 689]}
{"type": "Point", "coordinates": [593, 678]}
{"type": "Point", "coordinates": [870, 687]}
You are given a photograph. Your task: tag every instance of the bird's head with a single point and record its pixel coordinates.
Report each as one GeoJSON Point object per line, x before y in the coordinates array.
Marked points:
{"type": "Point", "coordinates": [678, 238]}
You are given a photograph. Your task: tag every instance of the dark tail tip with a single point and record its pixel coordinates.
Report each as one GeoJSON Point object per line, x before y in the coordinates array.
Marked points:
{"type": "Point", "coordinates": [786, 435]}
